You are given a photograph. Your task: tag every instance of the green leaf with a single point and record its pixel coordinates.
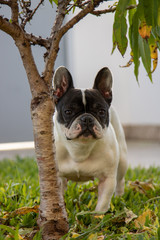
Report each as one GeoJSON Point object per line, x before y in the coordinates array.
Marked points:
{"type": "Point", "coordinates": [130, 17]}
{"type": "Point", "coordinates": [10, 230]}
{"type": "Point", "coordinates": [155, 12]}
{"type": "Point", "coordinates": [134, 42]}
{"type": "Point", "coordinates": [147, 8]}
{"type": "Point", "coordinates": [38, 236]}
{"type": "Point", "coordinates": [55, 1]}
{"type": "Point", "coordinates": [119, 32]}
{"type": "Point", "coordinates": [145, 55]}
{"type": "Point", "coordinates": [158, 23]}
{"type": "Point", "coordinates": [51, 2]}
{"type": "Point", "coordinates": [158, 233]}
{"type": "Point", "coordinates": [122, 4]}
{"type": "Point", "coordinates": [120, 27]}
{"type": "Point", "coordinates": [131, 12]}
{"type": "Point", "coordinates": [140, 11]}
{"type": "Point", "coordinates": [148, 11]}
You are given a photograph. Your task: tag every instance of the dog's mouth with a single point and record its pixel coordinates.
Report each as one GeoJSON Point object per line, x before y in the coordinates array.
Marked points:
{"type": "Point", "coordinates": [85, 134]}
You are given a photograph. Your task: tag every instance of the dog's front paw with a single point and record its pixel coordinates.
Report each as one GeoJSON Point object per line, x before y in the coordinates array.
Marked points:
{"type": "Point", "coordinates": [102, 208]}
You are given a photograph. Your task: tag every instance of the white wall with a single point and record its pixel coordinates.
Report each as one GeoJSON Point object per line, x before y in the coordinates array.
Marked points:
{"type": "Point", "coordinates": [89, 47]}
{"type": "Point", "coordinates": [15, 97]}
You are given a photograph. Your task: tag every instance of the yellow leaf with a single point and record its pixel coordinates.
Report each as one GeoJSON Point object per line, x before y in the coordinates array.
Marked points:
{"type": "Point", "coordinates": [90, 203]}
{"type": "Point", "coordinates": [144, 30]}
{"type": "Point", "coordinates": [141, 187]}
{"type": "Point", "coordinates": [2, 190]}
{"type": "Point", "coordinates": [140, 221]}
{"type": "Point", "coordinates": [129, 62]}
{"type": "Point", "coordinates": [92, 237]}
{"type": "Point", "coordinates": [154, 55]}
{"type": "Point", "coordinates": [112, 206]}
{"type": "Point", "coordinates": [25, 210]}
{"type": "Point", "coordinates": [99, 216]}
{"type": "Point", "coordinates": [20, 237]}
{"type": "Point", "coordinates": [74, 235]}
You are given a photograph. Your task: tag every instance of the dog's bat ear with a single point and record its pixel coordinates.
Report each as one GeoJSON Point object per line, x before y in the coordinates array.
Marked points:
{"type": "Point", "coordinates": [103, 83]}
{"type": "Point", "coordinates": [62, 82]}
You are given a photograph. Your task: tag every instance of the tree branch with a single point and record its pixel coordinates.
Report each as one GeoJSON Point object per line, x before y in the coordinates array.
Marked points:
{"type": "Point", "coordinates": [5, 2]}
{"type": "Point", "coordinates": [14, 7]}
{"type": "Point", "coordinates": [8, 27]}
{"type": "Point", "coordinates": [111, 9]}
{"type": "Point", "coordinates": [37, 84]}
{"type": "Point", "coordinates": [31, 14]}
{"type": "Point", "coordinates": [58, 32]}
{"type": "Point", "coordinates": [89, 8]}
{"type": "Point", "coordinates": [55, 38]}
{"type": "Point", "coordinates": [38, 40]}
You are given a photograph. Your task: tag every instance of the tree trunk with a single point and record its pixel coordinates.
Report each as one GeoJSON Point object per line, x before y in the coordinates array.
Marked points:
{"type": "Point", "coordinates": [52, 214]}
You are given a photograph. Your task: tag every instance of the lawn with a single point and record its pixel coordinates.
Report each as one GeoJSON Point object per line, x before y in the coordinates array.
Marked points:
{"type": "Point", "coordinates": [135, 216]}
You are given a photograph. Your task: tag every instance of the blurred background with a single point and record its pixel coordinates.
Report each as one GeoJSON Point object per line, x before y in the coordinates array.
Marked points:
{"type": "Point", "coordinates": [84, 50]}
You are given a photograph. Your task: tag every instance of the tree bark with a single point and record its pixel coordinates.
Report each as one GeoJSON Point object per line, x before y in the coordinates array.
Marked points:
{"type": "Point", "coordinates": [52, 213]}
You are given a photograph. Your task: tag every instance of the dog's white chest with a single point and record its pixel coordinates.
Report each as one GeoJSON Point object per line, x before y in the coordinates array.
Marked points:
{"type": "Point", "coordinates": [82, 162]}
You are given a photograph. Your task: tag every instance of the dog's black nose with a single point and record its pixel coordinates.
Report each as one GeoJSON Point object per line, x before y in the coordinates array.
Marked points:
{"type": "Point", "coordinates": [87, 120]}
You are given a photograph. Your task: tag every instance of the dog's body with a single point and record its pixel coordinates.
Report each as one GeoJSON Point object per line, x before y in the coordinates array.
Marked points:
{"type": "Point", "coordinates": [89, 138]}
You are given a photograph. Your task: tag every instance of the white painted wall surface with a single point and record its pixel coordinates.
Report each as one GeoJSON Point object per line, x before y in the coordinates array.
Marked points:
{"type": "Point", "coordinates": [15, 96]}
{"type": "Point", "coordinates": [89, 47]}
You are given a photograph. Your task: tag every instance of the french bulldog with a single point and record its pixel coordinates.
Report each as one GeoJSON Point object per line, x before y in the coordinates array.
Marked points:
{"type": "Point", "coordinates": [89, 137]}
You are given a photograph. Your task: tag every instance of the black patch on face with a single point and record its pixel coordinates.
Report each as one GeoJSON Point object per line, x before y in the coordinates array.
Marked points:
{"type": "Point", "coordinates": [71, 106]}
{"type": "Point", "coordinates": [97, 106]}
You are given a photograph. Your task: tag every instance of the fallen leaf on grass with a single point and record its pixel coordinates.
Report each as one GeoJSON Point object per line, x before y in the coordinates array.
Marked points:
{"type": "Point", "coordinates": [99, 216]}
{"type": "Point", "coordinates": [129, 216]}
{"type": "Point", "coordinates": [25, 210]}
{"type": "Point", "coordinates": [141, 220]}
{"type": "Point", "coordinates": [25, 231]}
{"type": "Point", "coordinates": [75, 235]}
{"type": "Point", "coordinates": [142, 187]}
{"type": "Point", "coordinates": [94, 236]}
{"type": "Point", "coordinates": [21, 211]}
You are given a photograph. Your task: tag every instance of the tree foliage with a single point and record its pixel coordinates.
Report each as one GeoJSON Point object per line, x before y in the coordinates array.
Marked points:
{"type": "Point", "coordinates": [143, 28]}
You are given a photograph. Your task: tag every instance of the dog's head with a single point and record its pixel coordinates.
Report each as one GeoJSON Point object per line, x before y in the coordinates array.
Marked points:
{"type": "Point", "coordinates": [82, 114]}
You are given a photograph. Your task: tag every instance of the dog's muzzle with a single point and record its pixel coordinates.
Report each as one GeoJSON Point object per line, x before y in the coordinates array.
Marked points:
{"type": "Point", "coordinates": [87, 124]}
{"type": "Point", "coordinates": [84, 126]}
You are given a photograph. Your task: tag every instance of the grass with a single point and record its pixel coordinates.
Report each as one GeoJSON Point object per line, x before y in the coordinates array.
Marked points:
{"type": "Point", "coordinates": [135, 216]}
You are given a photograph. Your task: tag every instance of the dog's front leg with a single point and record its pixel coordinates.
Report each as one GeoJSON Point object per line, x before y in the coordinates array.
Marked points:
{"type": "Point", "coordinates": [106, 189]}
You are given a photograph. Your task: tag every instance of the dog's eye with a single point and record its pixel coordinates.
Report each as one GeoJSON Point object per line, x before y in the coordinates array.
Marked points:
{"type": "Point", "coordinates": [68, 112]}
{"type": "Point", "coordinates": [101, 112]}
